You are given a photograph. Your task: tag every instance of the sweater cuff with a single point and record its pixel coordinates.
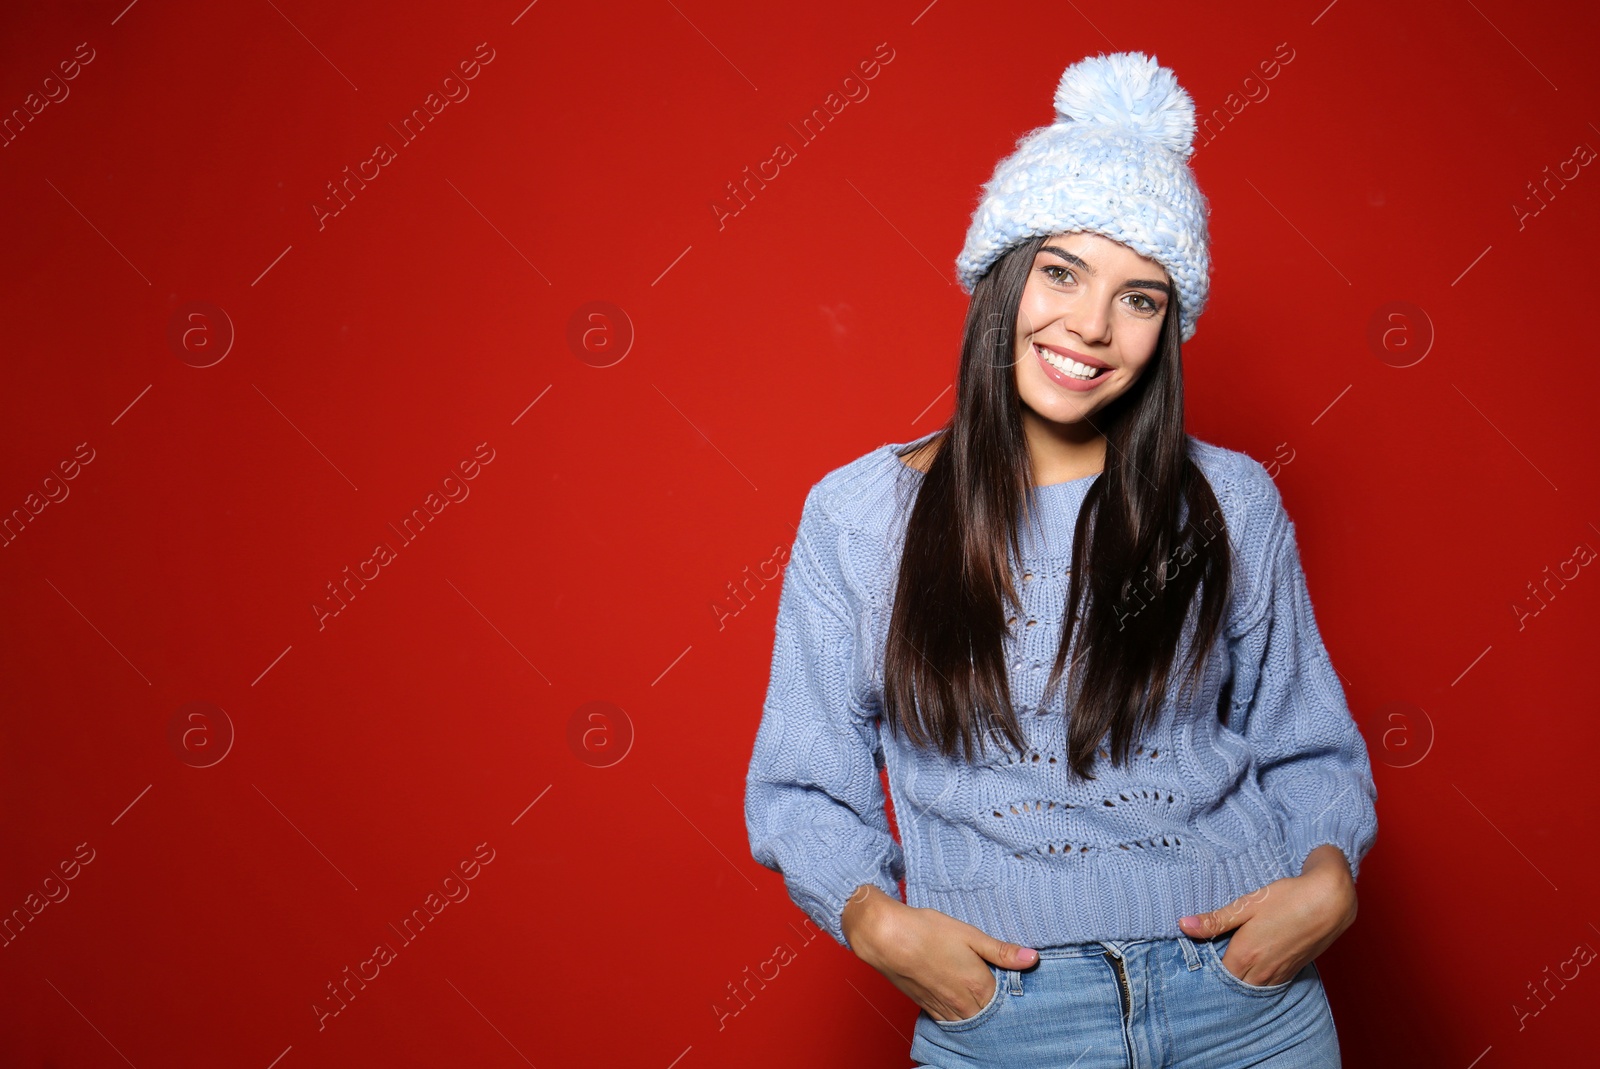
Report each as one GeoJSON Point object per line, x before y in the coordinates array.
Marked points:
{"type": "Point", "coordinates": [834, 882]}
{"type": "Point", "coordinates": [1351, 832]}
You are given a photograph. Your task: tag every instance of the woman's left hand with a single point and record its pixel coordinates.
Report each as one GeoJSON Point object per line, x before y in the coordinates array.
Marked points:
{"type": "Point", "coordinates": [1285, 924]}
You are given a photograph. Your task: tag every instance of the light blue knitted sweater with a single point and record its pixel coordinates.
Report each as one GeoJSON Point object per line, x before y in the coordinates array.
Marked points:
{"type": "Point", "coordinates": [1205, 813]}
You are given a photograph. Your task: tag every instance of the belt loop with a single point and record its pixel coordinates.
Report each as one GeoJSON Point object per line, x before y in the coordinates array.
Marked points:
{"type": "Point", "coordinates": [1191, 952]}
{"type": "Point", "coordinates": [1015, 976]}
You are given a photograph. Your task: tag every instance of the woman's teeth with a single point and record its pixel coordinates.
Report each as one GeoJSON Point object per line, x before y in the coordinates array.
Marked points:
{"type": "Point", "coordinates": [1068, 366]}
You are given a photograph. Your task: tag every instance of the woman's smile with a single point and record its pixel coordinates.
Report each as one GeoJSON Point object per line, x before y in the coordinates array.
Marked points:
{"type": "Point", "coordinates": [1070, 372]}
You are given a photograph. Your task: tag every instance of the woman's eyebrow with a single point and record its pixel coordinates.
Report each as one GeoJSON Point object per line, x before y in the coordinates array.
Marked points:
{"type": "Point", "coordinates": [1138, 283]}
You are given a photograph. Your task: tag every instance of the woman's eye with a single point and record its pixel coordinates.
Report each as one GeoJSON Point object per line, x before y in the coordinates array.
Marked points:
{"type": "Point", "coordinates": [1148, 306]}
{"type": "Point", "coordinates": [1056, 267]}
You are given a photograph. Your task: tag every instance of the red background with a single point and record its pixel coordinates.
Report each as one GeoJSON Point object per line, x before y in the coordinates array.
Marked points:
{"type": "Point", "coordinates": [370, 355]}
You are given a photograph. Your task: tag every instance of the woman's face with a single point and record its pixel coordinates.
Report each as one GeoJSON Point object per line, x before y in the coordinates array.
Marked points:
{"type": "Point", "coordinates": [1093, 301]}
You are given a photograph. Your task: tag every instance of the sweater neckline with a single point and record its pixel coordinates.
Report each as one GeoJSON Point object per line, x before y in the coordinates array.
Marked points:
{"type": "Point", "coordinates": [1055, 514]}
{"type": "Point", "coordinates": [892, 451]}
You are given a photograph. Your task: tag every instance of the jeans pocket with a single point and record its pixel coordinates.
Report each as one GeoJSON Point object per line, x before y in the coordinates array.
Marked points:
{"type": "Point", "coordinates": [982, 1015]}
{"type": "Point", "coordinates": [1214, 950]}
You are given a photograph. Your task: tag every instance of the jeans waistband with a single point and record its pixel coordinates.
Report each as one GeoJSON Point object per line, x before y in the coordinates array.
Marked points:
{"type": "Point", "coordinates": [1120, 948]}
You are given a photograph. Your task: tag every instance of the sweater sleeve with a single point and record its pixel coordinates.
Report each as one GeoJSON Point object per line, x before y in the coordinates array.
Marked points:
{"type": "Point", "coordinates": [814, 804]}
{"type": "Point", "coordinates": [1311, 760]}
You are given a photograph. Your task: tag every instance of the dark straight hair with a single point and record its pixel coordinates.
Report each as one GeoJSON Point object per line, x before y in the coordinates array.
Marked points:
{"type": "Point", "coordinates": [1136, 561]}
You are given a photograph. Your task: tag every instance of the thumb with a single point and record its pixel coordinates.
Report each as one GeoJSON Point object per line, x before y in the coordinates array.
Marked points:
{"type": "Point", "coordinates": [1007, 955]}
{"type": "Point", "coordinates": [1214, 923]}
{"type": "Point", "coordinates": [1229, 917]}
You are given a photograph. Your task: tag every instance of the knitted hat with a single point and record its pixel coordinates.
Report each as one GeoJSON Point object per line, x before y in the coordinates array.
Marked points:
{"type": "Point", "coordinates": [1114, 162]}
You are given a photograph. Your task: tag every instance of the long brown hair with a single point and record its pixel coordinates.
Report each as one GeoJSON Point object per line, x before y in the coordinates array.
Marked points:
{"type": "Point", "coordinates": [1137, 560]}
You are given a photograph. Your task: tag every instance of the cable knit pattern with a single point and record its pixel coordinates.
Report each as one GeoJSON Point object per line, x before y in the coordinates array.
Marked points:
{"type": "Point", "coordinates": [1206, 811]}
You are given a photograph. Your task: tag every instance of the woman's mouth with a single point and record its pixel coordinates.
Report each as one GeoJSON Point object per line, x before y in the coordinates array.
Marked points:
{"type": "Point", "coordinates": [1067, 372]}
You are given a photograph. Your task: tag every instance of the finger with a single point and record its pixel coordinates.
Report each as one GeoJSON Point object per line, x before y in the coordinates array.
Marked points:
{"type": "Point", "coordinates": [1006, 955]}
{"type": "Point", "coordinates": [1242, 908]}
{"type": "Point", "coordinates": [1214, 923]}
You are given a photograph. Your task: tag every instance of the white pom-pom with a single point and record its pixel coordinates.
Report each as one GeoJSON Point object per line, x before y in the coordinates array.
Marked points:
{"type": "Point", "coordinates": [1128, 89]}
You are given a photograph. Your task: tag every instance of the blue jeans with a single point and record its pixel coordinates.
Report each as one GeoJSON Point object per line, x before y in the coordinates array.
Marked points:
{"type": "Point", "coordinates": [1137, 1004]}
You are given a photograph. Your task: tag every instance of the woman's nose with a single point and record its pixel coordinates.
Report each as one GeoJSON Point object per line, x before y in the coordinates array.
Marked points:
{"type": "Point", "coordinates": [1089, 320]}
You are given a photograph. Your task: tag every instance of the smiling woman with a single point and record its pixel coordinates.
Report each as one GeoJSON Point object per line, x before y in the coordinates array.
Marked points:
{"type": "Point", "coordinates": [1079, 641]}
{"type": "Point", "coordinates": [1087, 327]}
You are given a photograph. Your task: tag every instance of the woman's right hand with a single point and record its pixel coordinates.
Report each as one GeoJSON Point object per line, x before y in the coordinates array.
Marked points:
{"type": "Point", "coordinates": [937, 961]}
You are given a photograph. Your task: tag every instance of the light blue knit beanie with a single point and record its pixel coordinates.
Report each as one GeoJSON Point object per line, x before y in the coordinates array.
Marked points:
{"type": "Point", "coordinates": [1114, 162]}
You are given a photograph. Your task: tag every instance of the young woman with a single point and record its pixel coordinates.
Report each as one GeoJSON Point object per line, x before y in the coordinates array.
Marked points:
{"type": "Point", "coordinates": [1130, 797]}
